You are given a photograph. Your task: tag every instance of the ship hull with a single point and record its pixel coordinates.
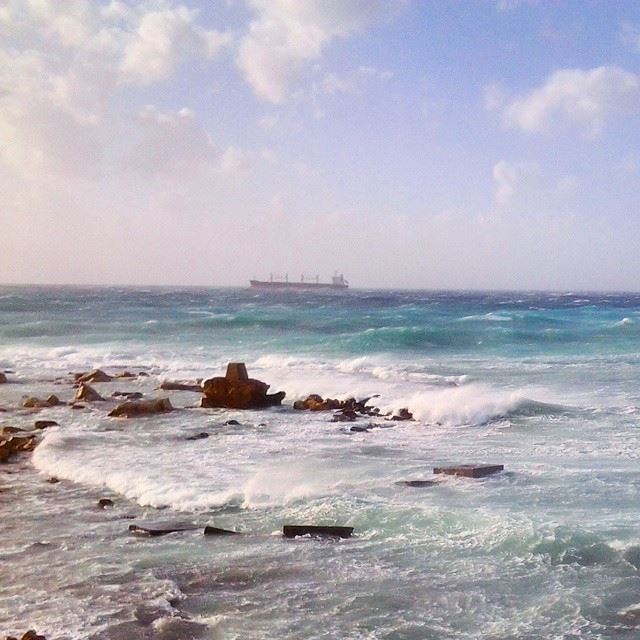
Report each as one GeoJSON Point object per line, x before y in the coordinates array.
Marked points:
{"type": "Point", "coordinates": [268, 284]}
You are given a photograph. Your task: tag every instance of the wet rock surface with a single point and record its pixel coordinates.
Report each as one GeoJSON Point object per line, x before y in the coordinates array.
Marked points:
{"type": "Point", "coordinates": [141, 408]}
{"type": "Point", "coordinates": [237, 391]}
{"type": "Point", "coordinates": [87, 393]}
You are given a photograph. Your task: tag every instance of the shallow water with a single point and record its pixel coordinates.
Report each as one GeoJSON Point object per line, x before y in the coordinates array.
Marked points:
{"type": "Point", "coordinates": [546, 384]}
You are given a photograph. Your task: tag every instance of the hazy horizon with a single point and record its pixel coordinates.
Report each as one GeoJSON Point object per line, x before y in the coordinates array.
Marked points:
{"type": "Point", "coordinates": [491, 145]}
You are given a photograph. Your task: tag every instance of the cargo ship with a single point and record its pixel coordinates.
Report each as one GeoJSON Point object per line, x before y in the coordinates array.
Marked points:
{"type": "Point", "coordinates": [283, 282]}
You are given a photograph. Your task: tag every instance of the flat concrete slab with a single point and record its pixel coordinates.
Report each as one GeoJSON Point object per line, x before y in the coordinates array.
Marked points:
{"type": "Point", "coordinates": [470, 470]}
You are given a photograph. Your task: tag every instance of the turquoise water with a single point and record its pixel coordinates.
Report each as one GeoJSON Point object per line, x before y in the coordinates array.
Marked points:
{"type": "Point", "coordinates": [546, 384]}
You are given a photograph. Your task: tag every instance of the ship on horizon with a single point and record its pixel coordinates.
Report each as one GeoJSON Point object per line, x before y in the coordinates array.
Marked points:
{"type": "Point", "coordinates": [282, 282]}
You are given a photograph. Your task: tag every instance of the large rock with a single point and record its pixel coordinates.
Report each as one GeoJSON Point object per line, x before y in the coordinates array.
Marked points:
{"type": "Point", "coordinates": [3, 378]}
{"type": "Point", "coordinates": [87, 393]}
{"type": "Point", "coordinates": [141, 408]}
{"type": "Point", "coordinates": [237, 391]}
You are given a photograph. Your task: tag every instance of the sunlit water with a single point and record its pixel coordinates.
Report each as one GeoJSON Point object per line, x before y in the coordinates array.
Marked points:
{"type": "Point", "coordinates": [546, 384]}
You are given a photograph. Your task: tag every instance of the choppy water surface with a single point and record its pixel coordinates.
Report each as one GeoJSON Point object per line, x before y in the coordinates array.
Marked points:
{"type": "Point", "coordinates": [546, 384]}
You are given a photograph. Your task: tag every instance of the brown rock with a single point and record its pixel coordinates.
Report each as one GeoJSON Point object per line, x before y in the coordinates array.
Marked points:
{"type": "Point", "coordinates": [53, 401]}
{"type": "Point", "coordinates": [141, 407]}
{"type": "Point", "coordinates": [236, 371]}
{"type": "Point", "coordinates": [103, 503]}
{"type": "Point", "coordinates": [238, 391]}
{"type": "Point", "coordinates": [3, 378]}
{"type": "Point", "coordinates": [125, 374]}
{"type": "Point", "coordinates": [87, 394]}
{"type": "Point", "coordinates": [32, 635]}
{"type": "Point", "coordinates": [97, 375]}
{"type": "Point", "coordinates": [21, 444]}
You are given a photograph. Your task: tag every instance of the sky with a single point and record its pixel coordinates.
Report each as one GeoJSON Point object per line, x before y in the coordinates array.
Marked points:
{"type": "Point", "coordinates": [467, 144]}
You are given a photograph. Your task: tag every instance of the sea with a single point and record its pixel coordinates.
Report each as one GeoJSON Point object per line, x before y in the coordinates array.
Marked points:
{"type": "Point", "coordinates": [546, 384]}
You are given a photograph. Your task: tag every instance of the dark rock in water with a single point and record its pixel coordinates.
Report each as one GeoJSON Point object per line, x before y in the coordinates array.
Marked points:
{"type": "Point", "coordinates": [346, 415]}
{"type": "Point", "coordinates": [129, 395]}
{"type": "Point", "coordinates": [359, 429]}
{"type": "Point", "coordinates": [97, 375]}
{"type": "Point", "coordinates": [159, 531]}
{"type": "Point", "coordinates": [238, 391]}
{"type": "Point", "coordinates": [143, 374]}
{"type": "Point", "coordinates": [198, 436]}
{"type": "Point", "coordinates": [78, 406]}
{"type": "Point", "coordinates": [216, 531]}
{"type": "Point", "coordinates": [43, 424]}
{"type": "Point", "coordinates": [3, 379]}
{"type": "Point", "coordinates": [103, 503]}
{"type": "Point", "coordinates": [291, 531]}
{"type": "Point", "coordinates": [125, 374]}
{"type": "Point", "coordinates": [403, 414]}
{"type": "Point", "coordinates": [417, 483]}
{"type": "Point", "coordinates": [180, 386]}
{"type": "Point", "coordinates": [53, 480]}
{"type": "Point", "coordinates": [87, 394]}
{"type": "Point", "coordinates": [470, 470]}
{"type": "Point", "coordinates": [232, 423]}
{"type": "Point", "coordinates": [141, 408]}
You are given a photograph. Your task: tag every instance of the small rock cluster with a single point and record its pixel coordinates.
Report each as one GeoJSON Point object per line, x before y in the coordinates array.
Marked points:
{"type": "Point", "coordinates": [347, 410]}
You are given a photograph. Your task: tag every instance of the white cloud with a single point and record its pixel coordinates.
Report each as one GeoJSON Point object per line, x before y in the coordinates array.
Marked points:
{"type": "Point", "coordinates": [287, 34]}
{"type": "Point", "coordinates": [575, 96]}
{"type": "Point", "coordinates": [163, 40]}
{"type": "Point", "coordinates": [61, 63]}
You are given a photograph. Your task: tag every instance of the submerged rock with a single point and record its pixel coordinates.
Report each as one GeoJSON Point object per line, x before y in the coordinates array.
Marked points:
{"type": "Point", "coordinates": [198, 436]}
{"type": "Point", "coordinates": [141, 408]}
{"type": "Point", "coordinates": [44, 424]}
{"type": "Point", "coordinates": [3, 378]}
{"type": "Point", "coordinates": [129, 395]}
{"type": "Point", "coordinates": [237, 391]}
{"type": "Point", "coordinates": [155, 531]}
{"type": "Point", "coordinates": [103, 503]}
{"type": "Point", "coordinates": [87, 393]}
